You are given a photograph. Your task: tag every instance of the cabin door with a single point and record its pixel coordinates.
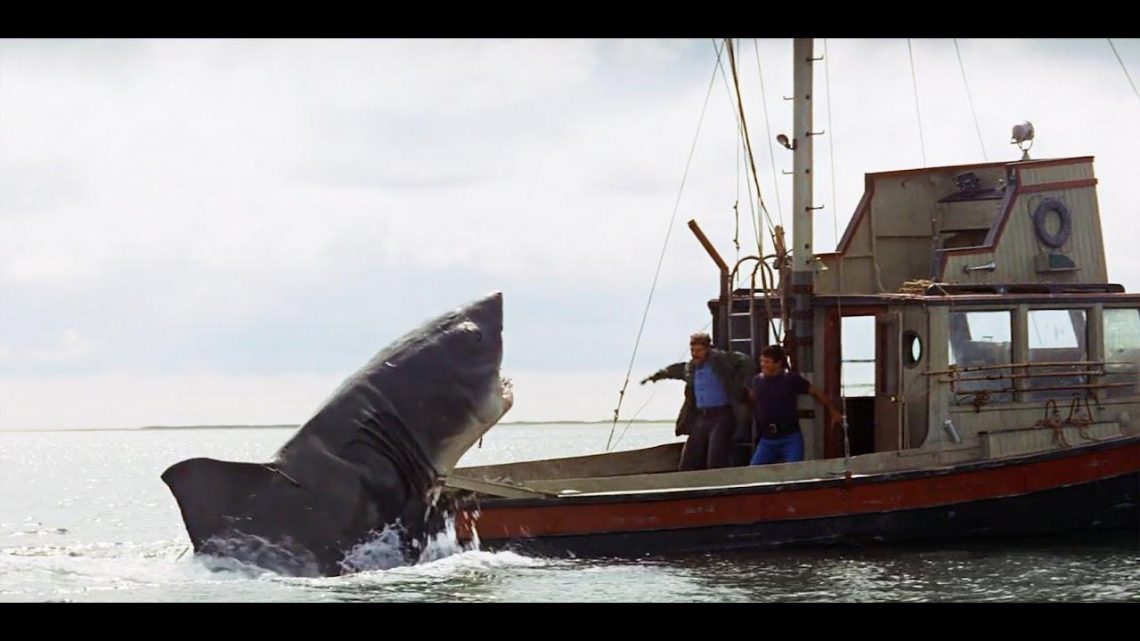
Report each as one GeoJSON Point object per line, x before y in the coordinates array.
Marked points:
{"type": "Point", "coordinates": [888, 376]}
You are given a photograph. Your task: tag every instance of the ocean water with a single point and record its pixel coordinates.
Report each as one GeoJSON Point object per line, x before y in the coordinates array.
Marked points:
{"type": "Point", "coordinates": [84, 516]}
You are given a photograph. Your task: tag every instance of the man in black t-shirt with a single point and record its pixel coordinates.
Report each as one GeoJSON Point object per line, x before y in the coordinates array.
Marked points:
{"type": "Point", "coordinates": [773, 392]}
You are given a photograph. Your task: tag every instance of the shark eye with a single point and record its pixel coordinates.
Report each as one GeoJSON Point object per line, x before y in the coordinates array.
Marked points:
{"type": "Point", "coordinates": [471, 328]}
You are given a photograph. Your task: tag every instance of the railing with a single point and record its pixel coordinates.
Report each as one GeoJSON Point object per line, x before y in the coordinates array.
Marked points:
{"type": "Point", "coordinates": [1010, 371]}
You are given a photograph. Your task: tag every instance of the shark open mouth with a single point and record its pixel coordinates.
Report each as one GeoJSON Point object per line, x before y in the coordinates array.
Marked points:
{"type": "Point", "coordinates": [506, 390]}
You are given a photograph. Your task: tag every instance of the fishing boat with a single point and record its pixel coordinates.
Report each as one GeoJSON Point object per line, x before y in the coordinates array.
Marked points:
{"type": "Point", "coordinates": [1006, 396]}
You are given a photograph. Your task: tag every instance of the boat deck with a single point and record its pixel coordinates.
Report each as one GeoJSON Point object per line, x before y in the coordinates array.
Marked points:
{"type": "Point", "coordinates": [653, 470]}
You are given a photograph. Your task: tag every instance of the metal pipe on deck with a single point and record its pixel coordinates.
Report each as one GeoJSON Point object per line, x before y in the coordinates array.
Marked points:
{"type": "Point", "coordinates": [725, 285]}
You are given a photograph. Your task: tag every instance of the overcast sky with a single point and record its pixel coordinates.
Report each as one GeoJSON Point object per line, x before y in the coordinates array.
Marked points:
{"type": "Point", "coordinates": [204, 231]}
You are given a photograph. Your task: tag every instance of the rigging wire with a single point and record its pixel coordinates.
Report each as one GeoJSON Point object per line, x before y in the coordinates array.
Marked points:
{"type": "Point", "coordinates": [661, 260]}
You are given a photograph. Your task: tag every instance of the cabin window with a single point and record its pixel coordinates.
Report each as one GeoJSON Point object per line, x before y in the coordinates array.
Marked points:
{"type": "Point", "coordinates": [774, 330]}
{"type": "Point", "coordinates": [980, 342]}
{"type": "Point", "coordinates": [1057, 337]}
{"type": "Point", "coordinates": [912, 348]}
{"type": "Point", "coordinates": [858, 356]}
{"type": "Point", "coordinates": [1122, 352]}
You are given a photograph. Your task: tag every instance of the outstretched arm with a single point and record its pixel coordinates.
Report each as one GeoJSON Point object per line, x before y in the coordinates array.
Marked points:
{"type": "Point", "coordinates": [675, 371]}
{"type": "Point", "coordinates": [833, 414]}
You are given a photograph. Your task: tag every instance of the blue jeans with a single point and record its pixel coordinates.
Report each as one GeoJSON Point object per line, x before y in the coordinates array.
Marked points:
{"type": "Point", "coordinates": [786, 449]}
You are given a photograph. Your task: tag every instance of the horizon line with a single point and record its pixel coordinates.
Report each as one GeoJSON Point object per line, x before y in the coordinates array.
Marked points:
{"type": "Point", "coordinates": [295, 426]}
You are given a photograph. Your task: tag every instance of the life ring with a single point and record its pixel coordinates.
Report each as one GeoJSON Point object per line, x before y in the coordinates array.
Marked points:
{"type": "Point", "coordinates": [1042, 212]}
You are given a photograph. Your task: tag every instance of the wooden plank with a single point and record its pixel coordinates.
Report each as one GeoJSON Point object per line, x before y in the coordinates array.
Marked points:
{"type": "Point", "coordinates": [495, 489]}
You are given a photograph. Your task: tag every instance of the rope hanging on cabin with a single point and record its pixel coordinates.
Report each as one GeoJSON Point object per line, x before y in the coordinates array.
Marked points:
{"type": "Point", "coordinates": [1123, 68]}
{"type": "Point", "coordinates": [1082, 423]}
{"type": "Point", "coordinates": [668, 232]}
{"type": "Point", "coordinates": [977, 127]}
{"type": "Point", "coordinates": [1057, 425]}
{"type": "Point", "coordinates": [917, 112]}
{"type": "Point", "coordinates": [981, 399]}
{"type": "Point", "coordinates": [1054, 423]}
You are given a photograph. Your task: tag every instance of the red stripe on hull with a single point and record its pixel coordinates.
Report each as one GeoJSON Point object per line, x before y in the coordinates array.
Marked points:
{"type": "Point", "coordinates": [641, 513]}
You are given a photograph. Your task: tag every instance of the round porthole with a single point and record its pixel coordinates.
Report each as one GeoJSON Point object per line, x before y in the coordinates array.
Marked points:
{"type": "Point", "coordinates": [912, 348]}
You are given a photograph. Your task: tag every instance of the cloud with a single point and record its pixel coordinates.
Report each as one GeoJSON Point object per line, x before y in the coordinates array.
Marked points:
{"type": "Point", "coordinates": [285, 207]}
{"type": "Point", "coordinates": [124, 399]}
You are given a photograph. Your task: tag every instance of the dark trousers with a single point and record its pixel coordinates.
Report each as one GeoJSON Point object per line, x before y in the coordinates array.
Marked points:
{"type": "Point", "coordinates": [709, 444]}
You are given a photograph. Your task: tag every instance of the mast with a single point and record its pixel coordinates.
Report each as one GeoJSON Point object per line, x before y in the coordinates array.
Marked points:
{"type": "Point", "coordinates": [800, 334]}
{"type": "Point", "coordinates": [800, 330]}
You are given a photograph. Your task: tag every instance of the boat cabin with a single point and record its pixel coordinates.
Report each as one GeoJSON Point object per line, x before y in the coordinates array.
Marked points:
{"type": "Point", "coordinates": [986, 292]}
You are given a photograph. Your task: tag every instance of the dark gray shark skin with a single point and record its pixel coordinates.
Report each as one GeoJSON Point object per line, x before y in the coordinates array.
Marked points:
{"type": "Point", "coordinates": [371, 458]}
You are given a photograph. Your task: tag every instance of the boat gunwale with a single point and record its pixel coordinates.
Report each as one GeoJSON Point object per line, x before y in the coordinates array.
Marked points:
{"type": "Point", "coordinates": [833, 480]}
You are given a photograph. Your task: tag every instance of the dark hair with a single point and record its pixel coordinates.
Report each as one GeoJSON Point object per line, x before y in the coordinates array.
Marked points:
{"type": "Point", "coordinates": [776, 353]}
{"type": "Point", "coordinates": [700, 338]}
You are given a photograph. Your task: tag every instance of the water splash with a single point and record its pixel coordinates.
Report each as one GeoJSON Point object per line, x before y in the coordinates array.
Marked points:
{"type": "Point", "coordinates": [446, 543]}
{"type": "Point", "coordinates": [387, 549]}
{"type": "Point", "coordinates": [384, 551]}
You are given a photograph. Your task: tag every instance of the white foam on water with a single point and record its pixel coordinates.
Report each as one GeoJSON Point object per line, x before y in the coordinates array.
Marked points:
{"type": "Point", "coordinates": [382, 552]}
{"type": "Point", "coordinates": [104, 571]}
{"type": "Point", "coordinates": [380, 560]}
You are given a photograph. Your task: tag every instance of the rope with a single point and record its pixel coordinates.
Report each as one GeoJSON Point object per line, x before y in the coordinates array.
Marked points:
{"type": "Point", "coordinates": [981, 398]}
{"type": "Point", "coordinates": [736, 228]}
{"type": "Point", "coordinates": [643, 406]}
{"type": "Point", "coordinates": [742, 127]}
{"type": "Point", "coordinates": [916, 287]}
{"type": "Point", "coordinates": [742, 131]}
{"type": "Point", "coordinates": [1082, 423]}
{"type": "Point", "coordinates": [736, 203]}
{"type": "Point", "coordinates": [914, 81]}
{"type": "Point", "coordinates": [633, 418]}
{"type": "Point", "coordinates": [668, 232]}
{"type": "Point", "coordinates": [768, 128]}
{"type": "Point", "coordinates": [1053, 423]}
{"type": "Point", "coordinates": [839, 258]}
{"type": "Point", "coordinates": [748, 141]}
{"type": "Point", "coordinates": [1125, 69]}
{"type": "Point", "coordinates": [977, 127]}
{"type": "Point", "coordinates": [777, 336]}
{"type": "Point", "coordinates": [754, 215]}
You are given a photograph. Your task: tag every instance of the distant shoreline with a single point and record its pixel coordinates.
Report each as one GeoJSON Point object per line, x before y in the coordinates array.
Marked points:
{"type": "Point", "coordinates": [294, 427]}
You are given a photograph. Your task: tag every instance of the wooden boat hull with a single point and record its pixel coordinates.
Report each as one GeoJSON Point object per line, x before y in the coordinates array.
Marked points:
{"type": "Point", "coordinates": [1092, 488]}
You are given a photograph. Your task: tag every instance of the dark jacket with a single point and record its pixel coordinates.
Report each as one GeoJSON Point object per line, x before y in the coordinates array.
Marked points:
{"type": "Point", "coordinates": [734, 370]}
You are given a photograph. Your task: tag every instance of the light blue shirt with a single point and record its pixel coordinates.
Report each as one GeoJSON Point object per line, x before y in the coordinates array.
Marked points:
{"type": "Point", "coordinates": [708, 388]}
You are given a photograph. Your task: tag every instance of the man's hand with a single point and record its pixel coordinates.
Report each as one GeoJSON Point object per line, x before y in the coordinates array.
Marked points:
{"type": "Point", "coordinates": [836, 419]}
{"type": "Point", "coordinates": [647, 379]}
